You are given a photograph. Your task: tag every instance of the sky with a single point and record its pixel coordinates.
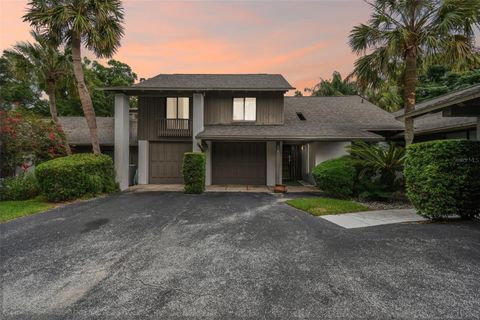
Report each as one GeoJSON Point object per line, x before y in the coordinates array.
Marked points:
{"type": "Point", "coordinates": [303, 40]}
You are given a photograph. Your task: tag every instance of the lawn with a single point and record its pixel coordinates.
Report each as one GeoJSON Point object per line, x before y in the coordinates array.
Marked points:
{"type": "Point", "coordinates": [324, 206]}
{"type": "Point", "coordinates": [15, 209]}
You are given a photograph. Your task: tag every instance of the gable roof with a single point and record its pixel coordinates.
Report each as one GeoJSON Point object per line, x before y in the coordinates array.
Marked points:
{"type": "Point", "coordinates": [327, 118]}
{"type": "Point", "coordinates": [443, 101]}
{"type": "Point", "coordinates": [261, 81]}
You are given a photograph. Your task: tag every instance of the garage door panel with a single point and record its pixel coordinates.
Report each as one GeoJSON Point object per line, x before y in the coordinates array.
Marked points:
{"type": "Point", "coordinates": [239, 163]}
{"type": "Point", "coordinates": [166, 161]}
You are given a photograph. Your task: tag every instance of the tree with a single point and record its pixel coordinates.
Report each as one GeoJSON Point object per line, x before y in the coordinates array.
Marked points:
{"type": "Point", "coordinates": [298, 93]}
{"type": "Point", "coordinates": [18, 89]}
{"type": "Point", "coordinates": [96, 24]}
{"type": "Point", "coordinates": [334, 87]}
{"type": "Point", "coordinates": [407, 35]}
{"type": "Point", "coordinates": [49, 67]}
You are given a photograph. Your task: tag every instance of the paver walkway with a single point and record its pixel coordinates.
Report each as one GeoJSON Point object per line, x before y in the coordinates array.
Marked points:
{"type": "Point", "coordinates": [374, 218]}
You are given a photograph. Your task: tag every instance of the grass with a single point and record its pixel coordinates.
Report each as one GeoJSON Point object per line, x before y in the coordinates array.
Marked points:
{"type": "Point", "coordinates": [15, 209]}
{"type": "Point", "coordinates": [324, 206]}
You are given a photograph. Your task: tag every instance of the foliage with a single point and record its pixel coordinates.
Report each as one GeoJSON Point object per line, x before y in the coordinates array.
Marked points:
{"type": "Point", "coordinates": [334, 87]}
{"type": "Point", "coordinates": [194, 172]}
{"type": "Point", "coordinates": [442, 178]}
{"type": "Point", "coordinates": [76, 176]}
{"type": "Point", "coordinates": [388, 96]}
{"type": "Point", "coordinates": [21, 187]}
{"type": "Point", "coordinates": [324, 206]}
{"type": "Point", "coordinates": [15, 209]}
{"type": "Point", "coordinates": [17, 89]}
{"type": "Point", "coordinates": [28, 139]}
{"type": "Point", "coordinates": [336, 176]}
{"type": "Point", "coordinates": [379, 160]}
{"type": "Point", "coordinates": [298, 93]}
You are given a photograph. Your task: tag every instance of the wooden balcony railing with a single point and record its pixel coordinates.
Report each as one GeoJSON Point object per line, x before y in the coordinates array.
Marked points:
{"type": "Point", "coordinates": [175, 128]}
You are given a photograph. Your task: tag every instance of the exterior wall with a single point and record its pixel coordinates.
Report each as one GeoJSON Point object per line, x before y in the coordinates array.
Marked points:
{"type": "Point", "coordinates": [219, 107]}
{"type": "Point", "coordinates": [271, 162]}
{"type": "Point", "coordinates": [208, 164]}
{"type": "Point", "coordinates": [318, 152]}
{"type": "Point", "coordinates": [143, 161]}
{"type": "Point", "coordinates": [150, 111]}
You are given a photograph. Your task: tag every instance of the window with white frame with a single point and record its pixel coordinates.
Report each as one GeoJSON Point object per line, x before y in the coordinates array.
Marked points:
{"type": "Point", "coordinates": [178, 108]}
{"type": "Point", "coordinates": [244, 109]}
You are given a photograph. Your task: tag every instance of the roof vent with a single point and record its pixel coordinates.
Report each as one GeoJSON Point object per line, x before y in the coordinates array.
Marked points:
{"type": "Point", "coordinates": [301, 116]}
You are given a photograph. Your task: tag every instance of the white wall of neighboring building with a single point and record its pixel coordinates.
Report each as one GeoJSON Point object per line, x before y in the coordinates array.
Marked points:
{"type": "Point", "coordinates": [315, 153]}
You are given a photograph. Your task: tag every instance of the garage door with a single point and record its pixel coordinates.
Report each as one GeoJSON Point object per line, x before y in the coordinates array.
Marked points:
{"type": "Point", "coordinates": [239, 163]}
{"type": "Point", "coordinates": [166, 161]}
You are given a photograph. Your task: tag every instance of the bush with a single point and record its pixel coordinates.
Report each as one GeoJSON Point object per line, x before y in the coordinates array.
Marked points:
{"type": "Point", "coordinates": [22, 187]}
{"type": "Point", "coordinates": [336, 176]}
{"type": "Point", "coordinates": [194, 172]}
{"type": "Point", "coordinates": [442, 178]}
{"type": "Point", "coordinates": [76, 176]}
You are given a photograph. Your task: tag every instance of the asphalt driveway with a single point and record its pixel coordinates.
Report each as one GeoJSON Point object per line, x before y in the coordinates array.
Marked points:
{"type": "Point", "coordinates": [229, 256]}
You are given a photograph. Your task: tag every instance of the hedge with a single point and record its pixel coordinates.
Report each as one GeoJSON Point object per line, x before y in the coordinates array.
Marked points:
{"type": "Point", "coordinates": [21, 187]}
{"type": "Point", "coordinates": [194, 172]}
{"type": "Point", "coordinates": [76, 176]}
{"type": "Point", "coordinates": [336, 176]}
{"type": "Point", "coordinates": [443, 178]}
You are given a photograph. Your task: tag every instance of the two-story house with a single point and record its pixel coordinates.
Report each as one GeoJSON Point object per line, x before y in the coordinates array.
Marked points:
{"type": "Point", "coordinates": [249, 130]}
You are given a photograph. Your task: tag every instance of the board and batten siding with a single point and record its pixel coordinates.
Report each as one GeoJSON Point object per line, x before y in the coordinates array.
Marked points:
{"type": "Point", "coordinates": [219, 107]}
{"type": "Point", "coordinates": [150, 111]}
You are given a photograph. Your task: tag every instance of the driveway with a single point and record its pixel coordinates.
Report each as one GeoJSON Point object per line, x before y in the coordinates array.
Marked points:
{"type": "Point", "coordinates": [232, 256]}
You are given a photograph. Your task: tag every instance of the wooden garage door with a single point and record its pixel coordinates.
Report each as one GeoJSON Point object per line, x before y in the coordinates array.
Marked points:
{"type": "Point", "coordinates": [239, 163]}
{"type": "Point", "coordinates": [166, 161]}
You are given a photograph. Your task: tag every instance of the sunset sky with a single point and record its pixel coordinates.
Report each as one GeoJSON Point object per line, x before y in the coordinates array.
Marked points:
{"type": "Point", "coordinates": [303, 40]}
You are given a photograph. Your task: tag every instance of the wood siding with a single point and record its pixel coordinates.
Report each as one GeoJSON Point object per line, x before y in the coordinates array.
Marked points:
{"type": "Point", "coordinates": [151, 110]}
{"type": "Point", "coordinates": [219, 107]}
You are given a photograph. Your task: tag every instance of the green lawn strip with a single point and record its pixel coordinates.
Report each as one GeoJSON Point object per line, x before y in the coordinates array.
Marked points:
{"type": "Point", "coordinates": [15, 209]}
{"type": "Point", "coordinates": [324, 206]}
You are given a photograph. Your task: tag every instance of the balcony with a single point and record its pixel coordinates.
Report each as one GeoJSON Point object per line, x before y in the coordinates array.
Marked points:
{"type": "Point", "coordinates": [175, 128]}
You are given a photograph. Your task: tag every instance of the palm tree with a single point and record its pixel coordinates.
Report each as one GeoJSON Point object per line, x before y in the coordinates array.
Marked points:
{"type": "Point", "coordinates": [49, 66]}
{"type": "Point", "coordinates": [98, 25]}
{"type": "Point", "coordinates": [334, 87]}
{"type": "Point", "coordinates": [406, 35]}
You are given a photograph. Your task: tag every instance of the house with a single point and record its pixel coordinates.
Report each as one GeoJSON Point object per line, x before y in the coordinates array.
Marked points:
{"type": "Point", "coordinates": [455, 115]}
{"type": "Point", "coordinates": [249, 130]}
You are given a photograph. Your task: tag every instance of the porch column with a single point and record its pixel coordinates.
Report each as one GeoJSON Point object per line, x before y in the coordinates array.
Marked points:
{"type": "Point", "coordinates": [278, 163]}
{"type": "Point", "coordinates": [271, 163]}
{"type": "Point", "coordinates": [143, 159]}
{"type": "Point", "coordinates": [208, 164]}
{"type": "Point", "coordinates": [122, 132]}
{"type": "Point", "coordinates": [197, 118]}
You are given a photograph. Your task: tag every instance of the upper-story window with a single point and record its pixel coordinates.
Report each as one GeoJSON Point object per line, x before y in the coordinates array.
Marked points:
{"type": "Point", "coordinates": [178, 108]}
{"type": "Point", "coordinates": [244, 109]}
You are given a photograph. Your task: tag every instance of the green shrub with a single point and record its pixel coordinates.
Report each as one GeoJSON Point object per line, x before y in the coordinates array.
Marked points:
{"type": "Point", "coordinates": [76, 176]}
{"type": "Point", "coordinates": [442, 178]}
{"type": "Point", "coordinates": [21, 187]}
{"type": "Point", "coordinates": [336, 176]}
{"type": "Point", "coordinates": [194, 172]}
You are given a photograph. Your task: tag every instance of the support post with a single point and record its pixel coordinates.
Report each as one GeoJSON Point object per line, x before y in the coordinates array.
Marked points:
{"type": "Point", "coordinates": [122, 145]}
{"type": "Point", "coordinates": [197, 118]}
{"type": "Point", "coordinates": [278, 162]}
{"type": "Point", "coordinates": [143, 160]}
{"type": "Point", "coordinates": [478, 128]}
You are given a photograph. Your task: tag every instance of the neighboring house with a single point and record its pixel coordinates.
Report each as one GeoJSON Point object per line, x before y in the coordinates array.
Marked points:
{"type": "Point", "coordinates": [455, 115]}
{"type": "Point", "coordinates": [249, 130]}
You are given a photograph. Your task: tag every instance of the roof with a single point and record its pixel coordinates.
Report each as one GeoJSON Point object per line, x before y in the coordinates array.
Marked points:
{"type": "Point", "coordinates": [436, 122]}
{"type": "Point", "coordinates": [77, 132]}
{"type": "Point", "coordinates": [327, 118]}
{"type": "Point", "coordinates": [444, 101]}
{"type": "Point", "coordinates": [212, 82]}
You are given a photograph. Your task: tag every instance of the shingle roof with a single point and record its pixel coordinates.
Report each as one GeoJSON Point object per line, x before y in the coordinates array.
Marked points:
{"type": "Point", "coordinates": [216, 82]}
{"type": "Point", "coordinates": [77, 131]}
{"type": "Point", "coordinates": [444, 101]}
{"type": "Point", "coordinates": [327, 118]}
{"type": "Point", "coordinates": [436, 122]}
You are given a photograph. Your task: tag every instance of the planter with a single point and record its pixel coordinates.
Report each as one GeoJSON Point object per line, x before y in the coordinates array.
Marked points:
{"type": "Point", "coordinates": [280, 188]}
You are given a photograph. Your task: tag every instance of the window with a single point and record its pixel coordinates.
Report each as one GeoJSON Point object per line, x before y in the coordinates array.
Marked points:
{"type": "Point", "coordinates": [244, 109]}
{"type": "Point", "coordinates": [178, 108]}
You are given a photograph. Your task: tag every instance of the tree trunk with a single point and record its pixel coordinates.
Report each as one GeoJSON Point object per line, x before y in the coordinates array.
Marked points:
{"type": "Point", "coordinates": [410, 85]}
{"type": "Point", "coordinates": [84, 95]}
{"type": "Point", "coordinates": [53, 112]}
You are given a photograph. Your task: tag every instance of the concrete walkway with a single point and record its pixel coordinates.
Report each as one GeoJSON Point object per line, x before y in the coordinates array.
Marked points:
{"type": "Point", "coordinates": [374, 218]}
